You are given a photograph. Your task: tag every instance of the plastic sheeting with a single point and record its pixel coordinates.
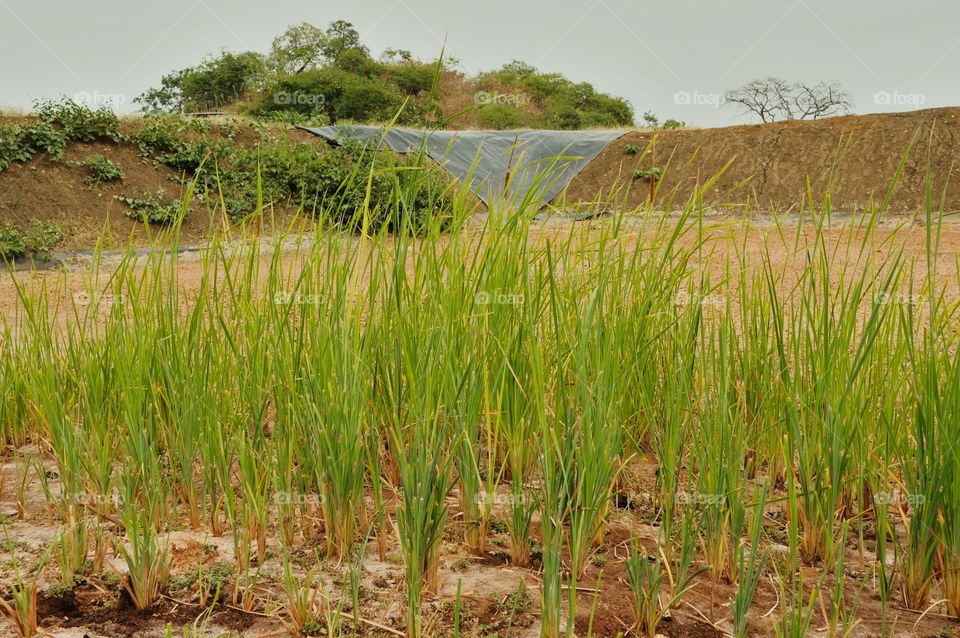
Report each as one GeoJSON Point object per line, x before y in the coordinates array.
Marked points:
{"type": "Point", "coordinates": [498, 166]}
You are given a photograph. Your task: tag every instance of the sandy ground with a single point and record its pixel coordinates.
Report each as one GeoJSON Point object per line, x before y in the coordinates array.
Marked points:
{"type": "Point", "coordinates": [728, 241]}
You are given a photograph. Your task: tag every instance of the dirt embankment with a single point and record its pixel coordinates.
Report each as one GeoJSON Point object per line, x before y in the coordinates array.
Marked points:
{"type": "Point", "coordinates": [56, 191]}
{"type": "Point", "coordinates": [853, 158]}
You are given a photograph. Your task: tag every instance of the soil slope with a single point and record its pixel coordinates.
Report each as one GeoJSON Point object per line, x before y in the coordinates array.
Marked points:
{"type": "Point", "coordinates": [853, 158]}
{"type": "Point", "coordinates": [55, 191]}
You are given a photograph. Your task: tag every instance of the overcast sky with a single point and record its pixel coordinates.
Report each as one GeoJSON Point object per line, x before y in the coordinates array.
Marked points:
{"type": "Point", "coordinates": [674, 58]}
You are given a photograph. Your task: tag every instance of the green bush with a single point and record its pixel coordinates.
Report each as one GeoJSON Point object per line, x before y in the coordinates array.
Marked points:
{"type": "Point", "coordinates": [42, 237]}
{"type": "Point", "coordinates": [42, 137]}
{"type": "Point", "coordinates": [647, 173]}
{"type": "Point", "coordinates": [564, 118]}
{"type": "Point", "coordinates": [77, 122]}
{"type": "Point", "coordinates": [38, 240]}
{"type": "Point", "coordinates": [57, 123]}
{"type": "Point", "coordinates": [216, 82]}
{"type": "Point", "coordinates": [412, 78]}
{"type": "Point", "coordinates": [631, 149]}
{"type": "Point", "coordinates": [13, 146]}
{"type": "Point", "coordinates": [500, 117]}
{"type": "Point", "coordinates": [334, 93]}
{"type": "Point", "coordinates": [177, 143]}
{"type": "Point", "coordinates": [151, 209]}
{"type": "Point", "coordinates": [100, 169]}
{"type": "Point", "coordinates": [328, 181]}
{"type": "Point", "coordinates": [12, 244]}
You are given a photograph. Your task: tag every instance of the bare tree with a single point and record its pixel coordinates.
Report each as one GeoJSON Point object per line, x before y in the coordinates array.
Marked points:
{"type": "Point", "coordinates": [774, 99]}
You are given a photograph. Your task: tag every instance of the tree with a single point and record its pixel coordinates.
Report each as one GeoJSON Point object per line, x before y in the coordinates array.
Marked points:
{"type": "Point", "coordinates": [214, 83]}
{"type": "Point", "coordinates": [304, 46]}
{"type": "Point", "coordinates": [299, 48]}
{"type": "Point", "coordinates": [342, 36]}
{"type": "Point", "coordinates": [775, 99]}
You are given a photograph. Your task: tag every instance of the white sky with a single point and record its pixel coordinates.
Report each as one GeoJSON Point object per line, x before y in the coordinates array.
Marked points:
{"type": "Point", "coordinates": [673, 58]}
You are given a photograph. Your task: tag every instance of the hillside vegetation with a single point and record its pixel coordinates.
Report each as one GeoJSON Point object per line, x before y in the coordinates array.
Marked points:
{"type": "Point", "coordinates": [326, 76]}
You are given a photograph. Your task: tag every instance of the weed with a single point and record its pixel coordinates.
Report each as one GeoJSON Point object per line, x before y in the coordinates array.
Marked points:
{"type": "Point", "coordinates": [12, 242]}
{"type": "Point", "coordinates": [647, 173]}
{"type": "Point", "coordinates": [100, 169]}
{"type": "Point", "coordinates": [153, 209]}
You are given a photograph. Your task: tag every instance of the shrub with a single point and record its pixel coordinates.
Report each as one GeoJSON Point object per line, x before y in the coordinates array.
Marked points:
{"type": "Point", "coordinates": [215, 82]}
{"type": "Point", "coordinates": [413, 78]}
{"type": "Point", "coordinates": [78, 122]}
{"type": "Point", "coordinates": [13, 146]}
{"type": "Point", "coordinates": [563, 118]}
{"type": "Point", "coordinates": [57, 123]}
{"type": "Point", "coordinates": [38, 240]}
{"type": "Point", "coordinates": [42, 237]}
{"type": "Point", "coordinates": [175, 142]}
{"type": "Point", "coordinates": [43, 137]}
{"type": "Point", "coordinates": [631, 149]}
{"type": "Point", "coordinates": [100, 169]}
{"type": "Point", "coordinates": [151, 209]}
{"type": "Point", "coordinates": [12, 244]}
{"type": "Point", "coordinates": [500, 117]}
{"type": "Point", "coordinates": [334, 92]}
{"type": "Point", "coordinates": [647, 173]}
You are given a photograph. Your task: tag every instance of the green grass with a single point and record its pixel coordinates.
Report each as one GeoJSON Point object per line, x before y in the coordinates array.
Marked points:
{"type": "Point", "coordinates": [390, 381]}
